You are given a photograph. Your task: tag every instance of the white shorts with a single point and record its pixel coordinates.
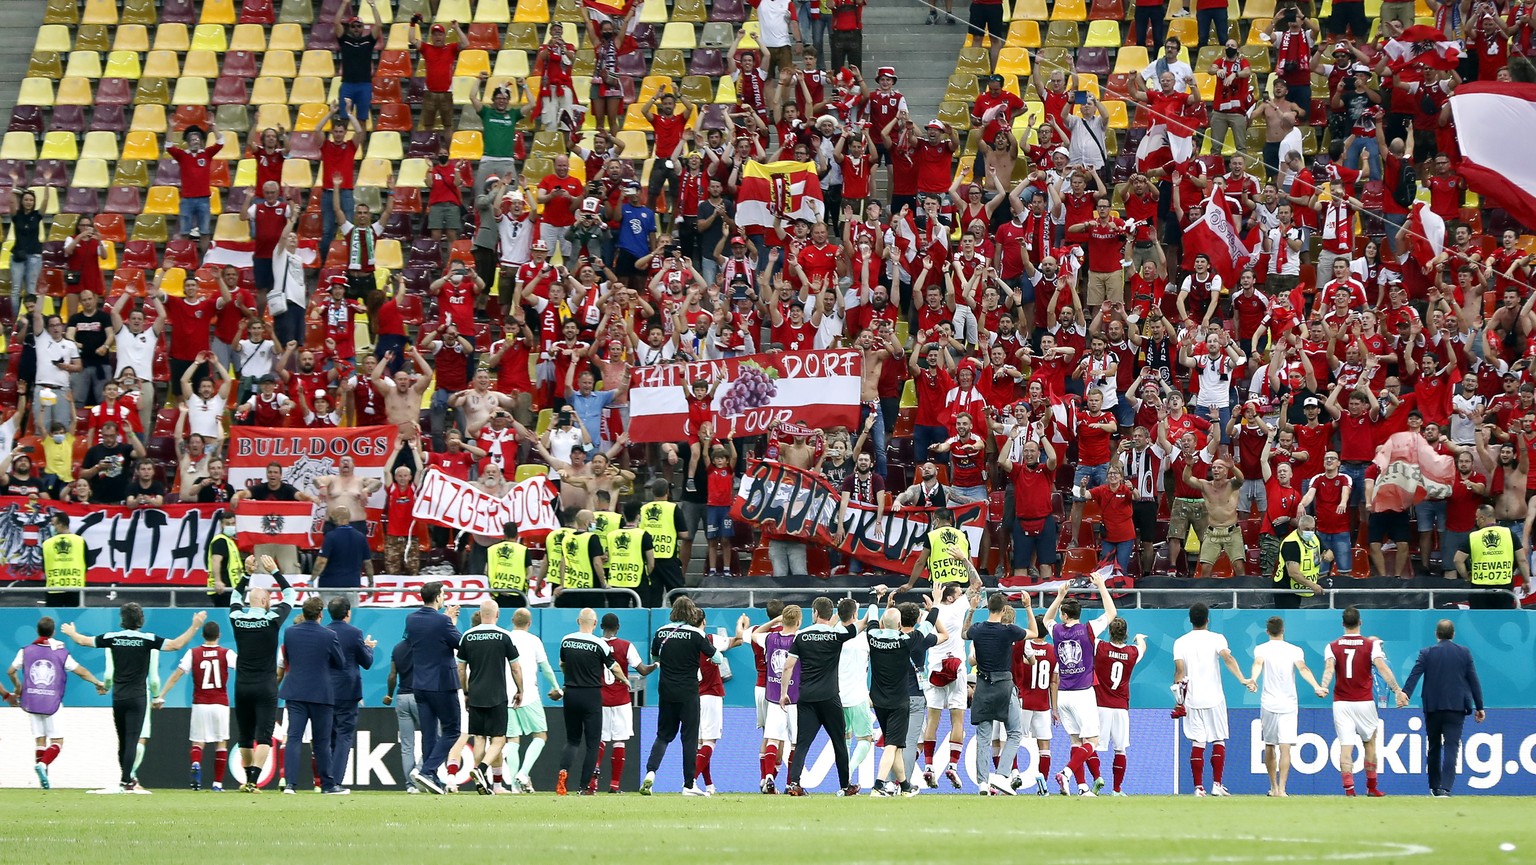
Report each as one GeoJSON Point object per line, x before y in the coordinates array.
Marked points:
{"type": "Point", "coordinates": [1277, 728]}
{"type": "Point", "coordinates": [779, 725]}
{"type": "Point", "coordinates": [759, 693]}
{"type": "Point", "coordinates": [711, 717]}
{"type": "Point", "coordinates": [1037, 725]}
{"type": "Point", "coordinates": [1203, 726]}
{"type": "Point", "coordinates": [1355, 722]}
{"type": "Point", "coordinates": [1114, 729]}
{"type": "Point", "coordinates": [618, 723]}
{"type": "Point", "coordinates": [43, 726]}
{"type": "Point", "coordinates": [210, 723]}
{"type": "Point", "coordinates": [1079, 712]}
{"type": "Point", "coordinates": [951, 696]}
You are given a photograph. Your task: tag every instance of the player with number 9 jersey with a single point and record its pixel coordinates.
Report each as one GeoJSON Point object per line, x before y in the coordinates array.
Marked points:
{"type": "Point", "coordinates": [1113, 662]}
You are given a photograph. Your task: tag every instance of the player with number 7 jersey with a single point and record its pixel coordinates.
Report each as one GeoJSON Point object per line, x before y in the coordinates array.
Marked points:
{"type": "Point", "coordinates": [1352, 658]}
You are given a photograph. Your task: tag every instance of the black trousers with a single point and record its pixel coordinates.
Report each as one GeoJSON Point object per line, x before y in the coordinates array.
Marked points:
{"type": "Point", "coordinates": [583, 722]}
{"type": "Point", "coordinates": [128, 718]}
{"type": "Point", "coordinates": [255, 714]}
{"type": "Point", "coordinates": [64, 599]}
{"type": "Point", "coordinates": [820, 715]}
{"type": "Point", "coordinates": [673, 717]}
{"type": "Point", "coordinates": [1444, 732]}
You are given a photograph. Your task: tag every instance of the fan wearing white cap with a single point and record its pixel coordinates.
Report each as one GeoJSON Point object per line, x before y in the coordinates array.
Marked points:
{"type": "Point", "coordinates": [590, 233]}
{"type": "Point", "coordinates": [515, 229]}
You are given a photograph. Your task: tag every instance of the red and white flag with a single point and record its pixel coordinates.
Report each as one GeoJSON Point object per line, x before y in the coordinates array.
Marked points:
{"type": "Point", "coordinates": [236, 253]}
{"type": "Point", "coordinates": [617, 11]}
{"type": "Point", "coordinates": [1410, 472]}
{"type": "Point", "coordinates": [778, 192]}
{"type": "Point", "coordinates": [1216, 236]}
{"type": "Point", "coordinates": [1422, 44]}
{"type": "Point", "coordinates": [1503, 175]}
{"type": "Point", "coordinates": [274, 522]}
{"type": "Point", "coordinates": [811, 388]}
{"type": "Point", "coordinates": [1426, 233]}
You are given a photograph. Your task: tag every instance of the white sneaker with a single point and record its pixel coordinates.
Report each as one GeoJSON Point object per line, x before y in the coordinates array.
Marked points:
{"type": "Point", "coordinates": [1219, 790]}
{"type": "Point", "coordinates": [289, 791]}
{"type": "Point", "coordinates": [1000, 784]}
{"type": "Point", "coordinates": [1200, 792]}
{"type": "Point", "coordinates": [524, 784]}
{"type": "Point", "coordinates": [412, 790]}
{"type": "Point", "coordinates": [109, 791]}
{"type": "Point", "coordinates": [1087, 793]}
{"type": "Point", "coordinates": [694, 790]}
{"type": "Point", "coordinates": [710, 789]}
{"type": "Point", "coordinates": [1117, 793]}
{"type": "Point", "coordinates": [1061, 782]}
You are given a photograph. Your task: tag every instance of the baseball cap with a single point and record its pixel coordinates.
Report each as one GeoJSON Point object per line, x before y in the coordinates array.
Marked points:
{"type": "Point", "coordinates": [1311, 402]}
{"type": "Point", "coordinates": [935, 124]}
{"type": "Point", "coordinates": [1360, 69]}
{"type": "Point", "coordinates": [320, 393]}
{"type": "Point", "coordinates": [269, 378]}
{"type": "Point", "coordinates": [438, 28]}
{"type": "Point", "coordinates": [738, 239]}
{"type": "Point", "coordinates": [631, 186]}
{"type": "Point", "coordinates": [539, 246]}
{"type": "Point", "coordinates": [589, 205]}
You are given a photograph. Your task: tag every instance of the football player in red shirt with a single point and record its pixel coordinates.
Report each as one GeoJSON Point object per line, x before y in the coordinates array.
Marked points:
{"type": "Point", "coordinates": [1113, 662]}
{"type": "Point", "coordinates": [1352, 657]}
{"type": "Point", "coordinates": [209, 666]}
{"type": "Point", "coordinates": [1035, 677]}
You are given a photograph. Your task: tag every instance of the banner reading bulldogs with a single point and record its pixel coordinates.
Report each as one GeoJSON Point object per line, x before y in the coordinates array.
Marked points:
{"type": "Point", "coordinates": [307, 454]}
{"type": "Point", "coordinates": [803, 505]}
{"type": "Point", "coordinates": [814, 388]}
{"type": "Point", "coordinates": [457, 504]}
{"type": "Point", "coordinates": [164, 546]}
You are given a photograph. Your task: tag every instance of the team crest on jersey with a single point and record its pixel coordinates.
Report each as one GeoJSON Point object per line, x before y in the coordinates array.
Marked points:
{"type": "Point", "coordinates": [776, 662]}
{"type": "Point", "coordinates": [1070, 654]}
{"type": "Point", "coordinates": [42, 674]}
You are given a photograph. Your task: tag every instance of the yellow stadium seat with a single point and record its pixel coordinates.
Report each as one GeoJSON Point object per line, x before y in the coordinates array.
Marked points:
{"type": "Point", "coordinates": [1131, 59]}
{"type": "Point", "coordinates": [298, 173]}
{"type": "Point", "coordinates": [310, 115]}
{"type": "Point", "coordinates": [385, 145]}
{"type": "Point", "coordinates": [297, 12]}
{"type": "Point", "coordinates": [245, 174]}
{"type": "Point", "coordinates": [60, 145]}
{"type": "Point", "coordinates": [172, 37]}
{"type": "Point", "coordinates": [1012, 61]}
{"type": "Point", "coordinates": [1105, 34]}
{"type": "Point", "coordinates": [65, 12]}
{"type": "Point", "coordinates": [462, 85]}
{"type": "Point", "coordinates": [123, 64]}
{"type": "Point", "coordinates": [45, 64]}
{"type": "Point", "coordinates": [1069, 10]}
{"type": "Point", "coordinates": [273, 115]}
{"type": "Point", "coordinates": [190, 91]}
{"type": "Point", "coordinates": [1206, 84]}
{"type": "Point", "coordinates": [472, 63]}
{"type": "Point", "coordinates": [569, 12]}
{"type": "Point", "coordinates": [399, 38]}
{"type": "Point", "coordinates": [279, 64]}
{"type": "Point", "coordinates": [150, 227]}
{"type": "Point", "coordinates": [99, 145]}
{"type": "Point", "coordinates": [307, 89]}
{"type": "Point", "coordinates": [374, 172]}
{"type": "Point", "coordinates": [678, 35]}
{"type": "Point", "coordinates": [493, 12]}
{"type": "Point", "coordinates": [692, 11]}
{"type": "Point", "coordinates": [161, 63]}
{"type": "Point", "coordinates": [210, 37]}
{"type": "Point", "coordinates": [231, 227]}
{"type": "Point", "coordinates": [164, 200]}
{"type": "Point", "coordinates": [453, 10]}
{"type": "Point", "coordinates": [131, 37]}
{"type": "Point", "coordinates": [510, 64]}
{"type": "Point", "coordinates": [39, 91]}
{"type": "Point", "coordinates": [726, 95]}
{"type": "Point", "coordinates": [974, 61]}
{"type": "Point", "coordinates": [84, 64]}
{"type": "Point", "coordinates": [413, 172]}
{"type": "Point", "coordinates": [99, 12]}
{"type": "Point", "coordinates": [1062, 34]}
{"type": "Point", "coordinates": [248, 37]}
{"type": "Point", "coordinates": [269, 91]}
{"type": "Point", "coordinates": [53, 37]}
{"type": "Point", "coordinates": [467, 145]}
{"type": "Point", "coordinates": [1023, 34]}
{"type": "Point", "coordinates": [141, 145]}
{"type": "Point", "coordinates": [91, 174]}
{"type": "Point", "coordinates": [1184, 28]}
{"type": "Point", "coordinates": [531, 12]}
{"type": "Point", "coordinates": [201, 64]}
{"type": "Point", "coordinates": [386, 13]}
{"type": "Point", "coordinates": [1117, 114]}
{"type": "Point", "coordinates": [1259, 10]}
{"type": "Point", "coordinates": [319, 64]}
{"type": "Point", "coordinates": [149, 117]}
{"type": "Point", "coordinates": [634, 121]}
{"type": "Point", "coordinates": [1030, 10]}
{"type": "Point", "coordinates": [286, 37]}
{"type": "Point", "coordinates": [218, 12]}
{"type": "Point", "coordinates": [19, 145]}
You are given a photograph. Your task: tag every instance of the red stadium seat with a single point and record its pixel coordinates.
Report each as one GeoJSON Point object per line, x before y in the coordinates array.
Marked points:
{"type": "Point", "coordinates": [258, 12]}
{"type": "Point", "coordinates": [138, 253]}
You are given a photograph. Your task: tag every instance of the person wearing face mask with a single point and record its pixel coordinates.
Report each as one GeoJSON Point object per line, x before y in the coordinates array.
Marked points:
{"type": "Point", "coordinates": [1300, 567]}
{"type": "Point", "coordinates": [226, 564]}
{"type": "Point", "coordinates": [1234, 95]}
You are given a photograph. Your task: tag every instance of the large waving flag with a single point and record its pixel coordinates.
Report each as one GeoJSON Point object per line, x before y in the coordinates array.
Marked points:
{"type": "Point", "coordinates": [1411, 471]}
{"type": "Point", "coordinates": [1423, 44]}
{"type": "Point", "coordinates": [615, 11]}
{"type": "Point", "coordinates": [1426, 233]}
{"type": "Point", "coordinates": [778, 192]}
{"type": "Point", "coordinates": [1216, 236]}
{"type": "Point", "coordinates": [1503, 175]}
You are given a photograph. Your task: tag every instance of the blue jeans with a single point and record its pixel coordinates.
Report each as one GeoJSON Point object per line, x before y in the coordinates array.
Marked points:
{"type": "Point", "coordinates": [1343, 550]}
{"type": "Point", "coordinates": [1356, 472]}
{"type": "Point", "coordinates": [876, 433]}
{"type": "Point", "coordinates": [1207, 20]}
{"type": "Point", "coordinates": [1372, 149]}
{"type": "Point", "coordinates": [1223, 417]}
{"type": "Point", "coordinates": [289, 327]}
{"type": "Point", "coordinates": [195, 216]}
{"type": "Point", "coordinates": [361, 97]}
{"type": "Point", "coordinates": [328, 216]}
{"type": "Point", "coordinates": [439, 714]}
{"type": "Point", "coordinates": [1088, 477]}
{"type": "Point", "coordinates": [922, 437]}
{"type": "Point", "coordinates": [24, 273]}
{"type": "Point", "coordinates": [812, 31]}
{"type": "Point", "coordinates": [318, 717]}
{"type": "Point", "coordinates": [1031, 549]}
{"type": "Point", "coordinates": [1125, 413]}
{"type": "Point", "coordinates": [1121, 551]}
{"type": "Point", "coordinates": [1394, 223]}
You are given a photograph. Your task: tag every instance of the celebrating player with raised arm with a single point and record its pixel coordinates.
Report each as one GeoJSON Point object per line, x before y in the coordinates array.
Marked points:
{"type": "Point", "coordinates": [1355, 721]}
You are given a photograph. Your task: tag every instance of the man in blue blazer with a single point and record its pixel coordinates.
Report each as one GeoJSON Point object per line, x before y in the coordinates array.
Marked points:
{"type": "Point", "coordinates": [311, 652]}
{"type": "Point", "coordinates": [347, 682]}
{"type": "Point", "coordinates": [434, 642]}
{"type": "Point", "coordinates": [1451, 692]}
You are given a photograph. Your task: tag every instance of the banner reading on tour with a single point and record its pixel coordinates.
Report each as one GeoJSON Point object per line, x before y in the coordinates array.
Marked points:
{"type": "Point", "coordinates": [803, 505]}
{"type": "Point", "coordinates": [812, 388]}
{"type": "Point", "coordinates": [308, 454]}
{"type": "Point", "coordinates": [457, 504]}
{"type": "Point", "coordinates": [164, 546]}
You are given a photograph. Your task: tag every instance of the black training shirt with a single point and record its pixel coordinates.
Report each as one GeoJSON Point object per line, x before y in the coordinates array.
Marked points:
{"type": "Point", "coordinates": [677, 648]}
{"type": "Point", "coordinates": [818, 649]}
{"type": "Point", "coordinates": [486, 649]}
{"type": "Point", "coordinates": [993, 645]}
{"type": "Point", "coordinates": [130, 661]}
{"type": "Point", "coordinates": [584, 657]}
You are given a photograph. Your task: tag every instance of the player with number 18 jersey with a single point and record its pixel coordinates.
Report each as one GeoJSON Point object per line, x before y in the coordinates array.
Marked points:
{"type": "Point", "coordinates": [1034, 674]}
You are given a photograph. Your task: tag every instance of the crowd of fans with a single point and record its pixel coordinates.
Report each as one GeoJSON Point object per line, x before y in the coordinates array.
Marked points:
{"type": "Point", "coordinates": [1035, 331]}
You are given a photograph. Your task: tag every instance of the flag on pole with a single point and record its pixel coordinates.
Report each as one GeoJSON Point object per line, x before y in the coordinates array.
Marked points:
{"type": "Point", "coordinates": [1426, 233]}
{"type": "Point", "coordinates": [274, 522]}
{"type": "Point", "coordinates": [1503, 175]}
{"type": "Point", "coordinates": [1216, 236]}
{"type": "Point", "coordinates": [778, 191]}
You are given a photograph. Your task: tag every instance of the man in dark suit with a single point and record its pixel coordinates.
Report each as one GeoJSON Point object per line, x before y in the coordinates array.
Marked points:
{"type": "Point", "coordinates": [1451, 692]}
{"type": "Point", "coordinates": [434, 641]}
{"type": "Point", "coordinates": [311, 652]}
{"type": "Point", "coordinates": [347, 683]}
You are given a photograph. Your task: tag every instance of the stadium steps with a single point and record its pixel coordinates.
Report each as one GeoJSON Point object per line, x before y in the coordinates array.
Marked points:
{"type": "Point", "coordinates": [924, 56]}
{"type": "Point", "coordinates": [18, 19]}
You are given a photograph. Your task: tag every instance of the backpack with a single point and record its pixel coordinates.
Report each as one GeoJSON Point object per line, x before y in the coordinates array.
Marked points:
{"type": "Point", "coordinates": [1407, 189]}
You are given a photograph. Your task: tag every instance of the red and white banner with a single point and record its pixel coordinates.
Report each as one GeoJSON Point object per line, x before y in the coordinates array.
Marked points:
{"type": "Point", "coordinates": [461, 505]}
{"type": "Point", "coordinates": [309, 454]}
{"type": "Point", "coordinates": [1490, 116]}
{"type": "Point", "coordinates": [1411, 472]}
{"type": "Point", "coordinates": [1426, 233]}
{"type": "Point", "coordinates": [778, 192]}
{"type": "Point", "coordinates": [164, 546]}
{"type": "Point", "coordinates": [1216, 236]}
{"type": "Point", "coordinates": [235, 253]}
{"type": "Point", "coordinates": [811, 388]}
{"type": "Point", "coordinates": [802, 505]}
{"type": "Point", "coordinates": [1422, 44]}
{"type": "Point", "coordinates": [273, 522]}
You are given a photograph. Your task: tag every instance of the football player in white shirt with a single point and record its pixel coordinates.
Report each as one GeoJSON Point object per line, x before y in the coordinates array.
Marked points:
{"type": "Point", "coordinates": [1197, 660]}
{"type": "Point", "coordinates": [853, 684]}
{"type": "Point", "coordinates": [1276, 663]}
{"type": "Point", "coordinates": [526, 718]}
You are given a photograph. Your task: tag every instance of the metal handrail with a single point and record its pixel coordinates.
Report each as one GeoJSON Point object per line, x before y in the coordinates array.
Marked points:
{"type": "Point", "coordinates": [1045, 594]}
{"type": "Point", "coordinates": [171, 593]}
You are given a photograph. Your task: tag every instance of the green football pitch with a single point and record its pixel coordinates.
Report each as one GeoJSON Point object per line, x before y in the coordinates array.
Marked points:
{"type": "Point", "coordinates": [64, 826]}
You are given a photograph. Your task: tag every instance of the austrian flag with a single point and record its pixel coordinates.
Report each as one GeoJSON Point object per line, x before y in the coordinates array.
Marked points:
{"type": "Point", "coordinates": [778, 192]}
{"type": "Point", "coordinates": [274, 522]}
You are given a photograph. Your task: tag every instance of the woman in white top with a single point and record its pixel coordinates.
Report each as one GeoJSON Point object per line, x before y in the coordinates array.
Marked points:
{"type": "Point", "coordinates": [255, 355]}
{"type": "Point", "coordinates": [205, 406]}
{"type": "Point", "coordinates": [565, 434]}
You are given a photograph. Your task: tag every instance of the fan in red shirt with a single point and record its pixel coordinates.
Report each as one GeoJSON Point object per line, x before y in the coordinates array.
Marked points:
{"type": "Point", "coordinates": [1352, 658]}
{"type": "Point", "coordinates": [1114, 499]}
{"type": "Point", "coordinates": [402, 554]}
{"type": "Point", "coordinates": [934, 158]}
{"type": "Point", "coordinates": [1328, 496]}
{"type": "Point", "coordinates": [196, 164]}
{"type": "Point", "coordinates": [439, 56]}
{"type": "Point", "coordinates": [1113, 662]}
